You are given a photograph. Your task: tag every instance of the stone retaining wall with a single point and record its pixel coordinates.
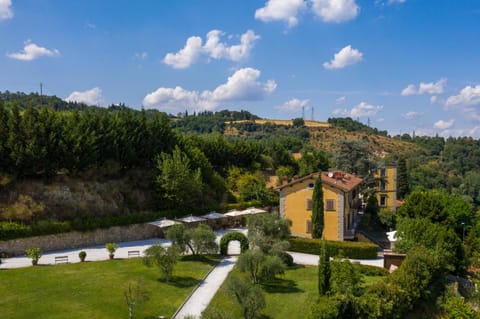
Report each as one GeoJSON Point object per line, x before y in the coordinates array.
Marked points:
{"type": "Point", "coordinates": [78, 239]}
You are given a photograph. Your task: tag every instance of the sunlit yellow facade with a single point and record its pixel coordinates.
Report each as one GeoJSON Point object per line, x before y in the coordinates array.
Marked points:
{"type": "Point", "coordinates": [386, 189]}
{"type": "Point", "coordinates": [340, 205]}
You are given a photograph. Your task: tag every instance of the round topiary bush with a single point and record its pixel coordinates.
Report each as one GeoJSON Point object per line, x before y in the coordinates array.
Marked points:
{"type": "Point", "coordinates": [233, 236]}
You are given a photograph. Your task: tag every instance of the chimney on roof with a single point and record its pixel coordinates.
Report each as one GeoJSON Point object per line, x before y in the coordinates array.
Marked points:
{"type": "Point", "coordinates": [295, 177]}
{"type": "Point", "coordinates": [338, 175]}
{"type": "Point", "coordinates": [284, 180]}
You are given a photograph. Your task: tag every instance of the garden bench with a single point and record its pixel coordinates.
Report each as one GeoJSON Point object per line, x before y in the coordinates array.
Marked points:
{"type": "Point", "coordinates": [133, 253]}
{"type": "Point", "coordinates": [61, 259]}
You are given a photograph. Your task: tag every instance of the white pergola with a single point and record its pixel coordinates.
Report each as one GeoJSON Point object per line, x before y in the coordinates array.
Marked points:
{"type": "Point", "coordinates": [213, 215]}
{"type": "Point", "coordinates": [163, 223]}
{"type": "Point", "coordinates": [234, 213]}
{"type": "Point", "coordinates": [191, 219]}
{"type": "Point", "coordinates": [254, 211]}
{"type": "Point", "coordinates": [248, 211]}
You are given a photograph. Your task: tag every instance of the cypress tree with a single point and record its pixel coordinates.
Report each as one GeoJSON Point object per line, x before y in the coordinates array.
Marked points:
{"type": "Point", "coordinates": [402, 178]}
{"type": "Point", "coordinates": [317, 209]}
{"type": "Point", "coordinates": [323, 270]}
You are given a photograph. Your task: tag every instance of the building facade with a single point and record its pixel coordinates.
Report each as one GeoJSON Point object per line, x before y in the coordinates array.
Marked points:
{"type": "Point", "coordinates": [386, 189]}
{"type": "Point", "coordinates": [340, 199]}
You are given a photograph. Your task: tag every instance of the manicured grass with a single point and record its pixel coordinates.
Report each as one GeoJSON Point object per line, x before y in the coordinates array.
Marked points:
{"type": "Point", "coordinates": [288, 297]}
{"type": "Point", "coordinates": [95, 289]}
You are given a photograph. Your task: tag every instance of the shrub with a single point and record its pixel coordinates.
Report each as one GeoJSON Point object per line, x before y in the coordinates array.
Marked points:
{"type": "Point", "coordinates": [12, 230]}
{"type": "Point", "coordinates": [286, 258]}
{"type": "Point", "coordinates": [325, 308]}
{"type": "Point", "coordinates": [34, 253]}
{"type": "Point", "coordinates": [345, 249]}
{"type": "Point", "coordinates": [82, 255]}
{"type": "Point", "coordinates": [111, 247]}
{"type": "Point", "coordinates": [368, 270]}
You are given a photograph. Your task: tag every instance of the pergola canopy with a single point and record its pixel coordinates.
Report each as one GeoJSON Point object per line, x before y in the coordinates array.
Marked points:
{"type": "Point", "coordinates": [162, 223]}
{"type": "Point", "coordinates": [191, 219]}
{"type": "Point", "coordinates": [213, 215]}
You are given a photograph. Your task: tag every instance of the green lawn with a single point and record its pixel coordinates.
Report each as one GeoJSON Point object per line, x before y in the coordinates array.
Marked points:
{"type": "Point", "coordinates": [289, 297]}
{"type": "Point", "coordinates": [94, 289]}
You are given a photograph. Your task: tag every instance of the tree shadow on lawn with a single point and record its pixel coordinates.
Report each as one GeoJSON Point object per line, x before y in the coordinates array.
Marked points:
{"type": "Point", "coordinates": [181, 282]}
{"type": "Point", "coordinates": [283, 286]}
{"type": "Point", "coordinates": [207, 259]}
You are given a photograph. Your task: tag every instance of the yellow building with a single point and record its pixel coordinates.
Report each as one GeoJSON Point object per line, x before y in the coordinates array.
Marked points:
{"type": "Point", "coordinates": [386, 189]}
{"type": "Point", "coordinates": [341, 204]}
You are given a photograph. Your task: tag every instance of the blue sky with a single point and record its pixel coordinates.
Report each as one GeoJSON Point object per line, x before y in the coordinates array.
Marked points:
{"type": "Point", "coordinates": [402, 65]}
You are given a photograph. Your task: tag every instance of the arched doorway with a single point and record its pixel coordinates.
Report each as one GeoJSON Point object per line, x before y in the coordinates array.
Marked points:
{"type": "Point", "coordinates": [233, 236]}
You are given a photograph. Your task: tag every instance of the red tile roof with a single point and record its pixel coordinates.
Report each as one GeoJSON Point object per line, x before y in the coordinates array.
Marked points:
{"type": "Point", "coordinates": [338, 179]}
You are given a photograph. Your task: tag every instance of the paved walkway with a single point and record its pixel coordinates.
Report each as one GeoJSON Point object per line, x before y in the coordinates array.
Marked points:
{"type": "Point", "coordinates": [95, 253]}
{"type": "Point", "coordinates": [201, 297]}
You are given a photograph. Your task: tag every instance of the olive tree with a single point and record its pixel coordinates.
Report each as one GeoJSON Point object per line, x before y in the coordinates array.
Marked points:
{"type": "Point", "coordinates": [165, 258]}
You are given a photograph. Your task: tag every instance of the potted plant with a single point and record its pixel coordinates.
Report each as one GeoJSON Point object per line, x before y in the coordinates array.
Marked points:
{"type": "Point", "coordinates": [82, 255]}
{"type": "Point", "coordinates": [111, 247]}
{"type": "Point", "coordinates": [34, 253]}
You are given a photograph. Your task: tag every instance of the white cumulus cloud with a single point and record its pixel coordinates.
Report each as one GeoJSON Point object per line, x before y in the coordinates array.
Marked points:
{"type": "Point", "coordinates": [341, 100]}
{"type": "Point", "coordinates": [469, 96]}
{"type": "Point", "coordinates": [335, 10]}
{"type": "Point", "coordinates": [89, 97]}
{"type": "Point", "coordinates": [214, 48]}
{"type": "Point", "coordinates": [432, 88]}
{"type": "Point", "coordinates": [443, 125]}
{"type": "Point", "coordinates": [468, 102]}
{"type": "Point", "coordinates": [425, 88]}
{"type": "Point", "coordinates": [411, 115]}
{"type": "Point", "coordinates": [281, 10]}
{"type": "Point", "coordinates": [186, 56]}
{"type": "Point", "coordinates": [6, 11]}
{"type": "Point", "coordinates": [243, 85]}
{"type": "Point", "coordinates": [409, 90]}
{"type": "Point", "coordinates": [473, 132]}
{"type": "Point", "coordinates": [173, 99]}
{"type": "Point", "coordinates": [361, 110]}
{"type": "Point", "coordinates": [293, 105]}
{"type": "Point", "coordinates": [31, 51]}
{"type": "Point", "coordinates": [345, 57]}
{"type": "Point", "coordinates": [140, 55]}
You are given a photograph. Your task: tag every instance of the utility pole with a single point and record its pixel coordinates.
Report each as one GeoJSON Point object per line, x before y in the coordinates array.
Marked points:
{"type": "Point", "coordinates": [41, 94]}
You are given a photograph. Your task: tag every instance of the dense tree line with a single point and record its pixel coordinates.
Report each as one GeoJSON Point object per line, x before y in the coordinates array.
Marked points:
{"type": "Point", "coordinates": [24, 101]}
{"type": "Point", "coordinates": [351, 125]}
{"type": "Point", "coordinates": [451, 164]}
{"type": "Point", "coordinates": [185, 171]}
{"type": "Point", "coordinates": [208, 121]}
{"type": "Point", "coordinates": [40, 142]}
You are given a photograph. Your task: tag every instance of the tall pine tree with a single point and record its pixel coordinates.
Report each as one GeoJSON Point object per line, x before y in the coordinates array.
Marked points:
{"type": "Point", "coordinates": [317, 209]}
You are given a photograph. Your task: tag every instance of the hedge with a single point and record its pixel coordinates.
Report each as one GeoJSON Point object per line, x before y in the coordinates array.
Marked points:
{"type": "Point", "coordinates": [233, 236]}
{"type": "Point", "coordinates": [347, 249]}
{"type": "Point", "coordinates": [13, 230]}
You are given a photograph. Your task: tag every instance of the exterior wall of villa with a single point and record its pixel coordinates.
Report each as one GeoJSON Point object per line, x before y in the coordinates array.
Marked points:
{"type": "Point", "coordinates": [340, 202]}
{"type": "Point", "coordinates": [387, 187]}
{"type": "Point", "coordinates": [294, 206]}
